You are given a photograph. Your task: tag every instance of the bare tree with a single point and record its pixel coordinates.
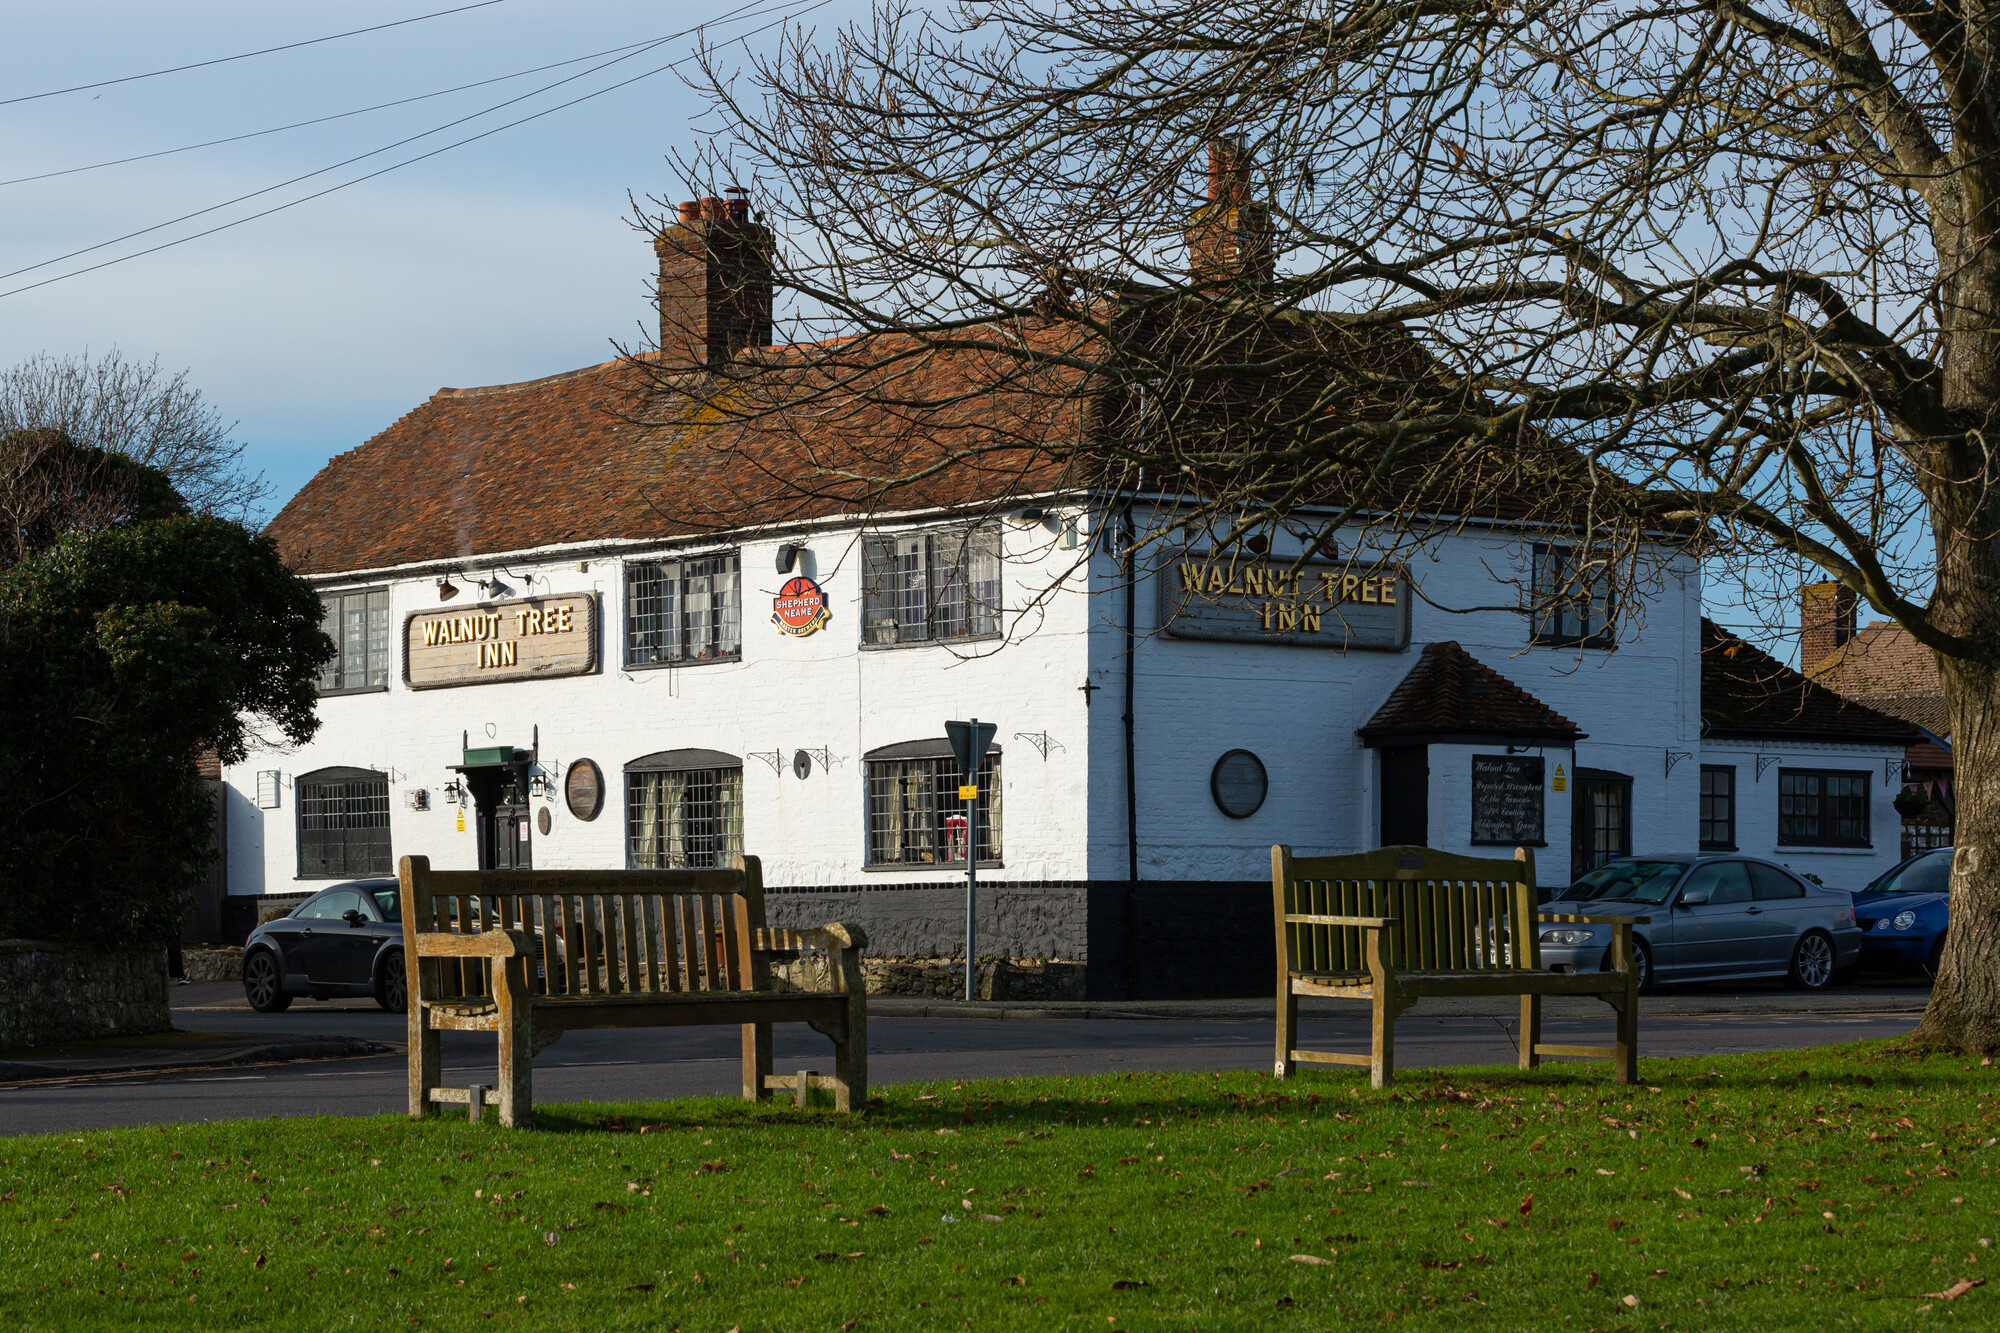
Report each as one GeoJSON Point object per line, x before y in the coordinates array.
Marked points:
{"type": "Point", "coordinates": [138, 410]}
{"type": "Point", "coordinates": [1717, 278]}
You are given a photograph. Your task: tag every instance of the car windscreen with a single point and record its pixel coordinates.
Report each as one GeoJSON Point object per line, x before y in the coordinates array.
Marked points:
{"type": "Point", "coordinates": [385, 904]}
{"type": "Point", "coordinates": [1626, 881]}
{"type": "Point", "coordinates": [1923, 874]}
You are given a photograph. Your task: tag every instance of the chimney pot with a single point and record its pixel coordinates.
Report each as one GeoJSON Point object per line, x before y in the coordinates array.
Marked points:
{"type": "Point", "coordinates": [690, 211]}
{"type": "Point", "coordinates": [715, 283]}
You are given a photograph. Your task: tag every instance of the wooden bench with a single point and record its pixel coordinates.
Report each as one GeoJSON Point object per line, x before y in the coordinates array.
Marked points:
{"type": "Point", "coordinates": [1395, 925]}
{"type": "Point", "coordinates": [530, 954]}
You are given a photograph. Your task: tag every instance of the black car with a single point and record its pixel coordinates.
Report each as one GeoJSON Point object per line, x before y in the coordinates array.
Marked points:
{"type": "Point", "coordinates": [344, 940]}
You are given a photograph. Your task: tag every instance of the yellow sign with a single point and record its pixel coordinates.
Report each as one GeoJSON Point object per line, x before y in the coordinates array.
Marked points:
{"type": "Point", "coordinates": [1561, 783]}
{"type": "Point", "coordinates": [968, 793]}
{"type": "Point", "coordinates": [461, 819]}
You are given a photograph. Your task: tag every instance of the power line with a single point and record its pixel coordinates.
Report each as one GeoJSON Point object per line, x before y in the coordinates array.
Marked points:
{"type": "Point", "coordinates": [224, 60]}
{"type": "Point", "coordinates": [374, 152]}
{"type": "Point", "coordinates": [321, 120]}
{"type": "Point", "coordinates": [334, 189]}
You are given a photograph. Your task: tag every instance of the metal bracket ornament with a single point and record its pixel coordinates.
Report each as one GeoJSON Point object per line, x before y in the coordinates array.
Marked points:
{"type": "Point", "coordinates": [1892, 771]}
{"type": "Point", "coordinates": [1674, 757]}
{"type": "Point", "coordinates": [775, 758]}
{"type": "Point", "coordinates": [1041, 740]}
{"type": "Point", "coordinates": [1764, 761]}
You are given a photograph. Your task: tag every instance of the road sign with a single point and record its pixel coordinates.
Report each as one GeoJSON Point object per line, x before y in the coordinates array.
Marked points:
{"type": "Point", "coordinates": [969, 749]}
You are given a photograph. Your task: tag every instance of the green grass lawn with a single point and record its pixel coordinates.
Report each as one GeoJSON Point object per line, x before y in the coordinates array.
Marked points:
{"type": "Point", "coordinates": [1824, 1189]}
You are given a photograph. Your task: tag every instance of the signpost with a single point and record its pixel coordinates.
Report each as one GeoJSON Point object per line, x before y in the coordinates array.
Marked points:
{"type": "Point", "coordinates": [969, 741]}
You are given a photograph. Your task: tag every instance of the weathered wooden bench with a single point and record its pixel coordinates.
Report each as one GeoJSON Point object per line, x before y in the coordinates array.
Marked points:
{"type": "Point", "coordinates": [530, 954]}
{"type": "Point", "coordinates": [1402, 923]}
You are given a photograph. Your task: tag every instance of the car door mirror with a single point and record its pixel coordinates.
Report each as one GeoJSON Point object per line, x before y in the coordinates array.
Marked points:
{"type": "Point", "coordinates": [1694, 898]}
{"type": "Point", "coordinates": [353, 917]}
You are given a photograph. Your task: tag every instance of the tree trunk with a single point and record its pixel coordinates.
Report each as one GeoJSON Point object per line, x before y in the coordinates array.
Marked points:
{"type": "Point", "coordinates": [1964, 1012]}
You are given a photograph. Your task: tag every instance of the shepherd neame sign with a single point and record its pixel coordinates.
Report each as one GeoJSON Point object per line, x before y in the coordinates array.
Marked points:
{"type": "Point", "coordinates": [1318, 604]}
{"type": "Point", "coordinates": [531, 639]}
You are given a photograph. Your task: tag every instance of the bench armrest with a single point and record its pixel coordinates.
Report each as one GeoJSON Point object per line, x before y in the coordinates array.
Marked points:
{"type": "Point", "coordinates": [480, 944]}
{"type": "Point", "coordinates": [1365, 922]}
{"type": "Point", "coordinates": [1595, 920]}
{"type": "Point", "coordinates": [836, 937]}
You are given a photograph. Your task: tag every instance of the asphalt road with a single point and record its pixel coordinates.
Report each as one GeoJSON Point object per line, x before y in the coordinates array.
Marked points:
{"type": "Point", "coordinates": [642, 1063]}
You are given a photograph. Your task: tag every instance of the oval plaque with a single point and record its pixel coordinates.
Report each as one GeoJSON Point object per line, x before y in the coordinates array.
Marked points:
{"type": "Point", "coordinates": [542, 820]}
{"type": "Point", "coordinates": [1238, 784]}
{"type": "Point", "coordinates": [583, 789]}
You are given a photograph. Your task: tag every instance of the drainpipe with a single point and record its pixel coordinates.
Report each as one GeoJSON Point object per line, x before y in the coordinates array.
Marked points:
{"type": "Point", "coordinates": [1130, 538]}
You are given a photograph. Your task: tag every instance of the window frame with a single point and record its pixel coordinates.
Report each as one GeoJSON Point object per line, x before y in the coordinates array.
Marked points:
{"type": "Point", "coordinates": [726, 834]}
{"type": "Point", "coordinates": [942, 779]}
{"type": "Point", "coordinates": [1702, 820]}
{"type": "Point", "coordinates": [333, 613]}
{"type": "Point", "coordinates": [879, 548]}
{"type": "Point", "coordinates": [303, 796]}
{"type": "Point", "coordinates": [679, 657]}
{"type": "Point", "coordinates": [1541, 615]}
{"type": "Point", "coordinates": [1862, 776]}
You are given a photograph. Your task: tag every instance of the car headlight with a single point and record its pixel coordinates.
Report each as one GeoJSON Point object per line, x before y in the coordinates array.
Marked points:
{"type": "Point", "coordinates": [1568, 936]}
{"type": "Point", "coordinates": [1883, 924]}
{"type": "Point", "coordinates": [1905, 919]}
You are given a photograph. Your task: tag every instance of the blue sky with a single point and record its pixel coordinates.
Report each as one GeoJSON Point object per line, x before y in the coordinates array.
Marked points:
{"type": "Point", "coordinates": [314, 328]}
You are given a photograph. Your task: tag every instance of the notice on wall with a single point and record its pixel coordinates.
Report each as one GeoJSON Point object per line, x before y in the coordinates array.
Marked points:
{"type": "Point", "coordinates": [530, 639]}
{"type": "Point", "coordinates": [1240, 598]}
{"type": "Point", "coordinates": [1507, 800]}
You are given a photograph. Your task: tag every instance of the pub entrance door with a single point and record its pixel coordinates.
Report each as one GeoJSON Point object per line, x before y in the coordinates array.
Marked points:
{"type": "Point", "coordinates": [502, 816]}
{"type": "Point", "coordinates": [1406, 796]}
{"type": "Point", "coordinates": [1600, 823]}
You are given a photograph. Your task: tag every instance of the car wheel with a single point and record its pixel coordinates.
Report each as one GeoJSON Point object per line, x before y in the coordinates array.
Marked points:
{"type": "Point", "coordinates": [1642, 959]}
{"type": "Point", "coordinates": [1812, 962]}
{"type": "Point", "coordinates": [392, 989]}
{"type": "Point", "coordinates": [262, 985]}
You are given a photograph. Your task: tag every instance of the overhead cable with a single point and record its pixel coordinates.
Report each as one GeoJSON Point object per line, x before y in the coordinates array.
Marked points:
{"type": "Point", "coordinates": [224, 60]}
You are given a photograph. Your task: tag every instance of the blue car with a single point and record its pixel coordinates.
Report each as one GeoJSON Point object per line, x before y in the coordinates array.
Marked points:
{"type": "Point", "coordinates": [1904, 914]}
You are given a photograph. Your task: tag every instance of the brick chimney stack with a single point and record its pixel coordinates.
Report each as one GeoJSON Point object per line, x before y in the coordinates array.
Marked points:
{"type": "Point", "coordinates": [1826, 621]}
{"type": "Point", "coordinates": [715, 282]}
{"type": "Point", "coordinates": [1230, 235]}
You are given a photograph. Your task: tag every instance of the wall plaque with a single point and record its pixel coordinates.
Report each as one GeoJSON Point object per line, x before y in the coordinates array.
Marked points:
{"type": "Point", "coordinates": [800, 607]}
{"type": "Point", "coordinates": [583, 789]}
{"type": "Point", "coordinates": [529, 639]}
{"type": "Point", "coordinates": [1239, 598]}
{"type": "Point", "coordinates": [1507, 800]}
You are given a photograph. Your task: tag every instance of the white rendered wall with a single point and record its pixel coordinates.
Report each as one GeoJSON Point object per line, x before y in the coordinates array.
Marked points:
{"type": "Point", "coordinates": [786, 693]}
{"type": "Point", "coordinates": [1757, 806]}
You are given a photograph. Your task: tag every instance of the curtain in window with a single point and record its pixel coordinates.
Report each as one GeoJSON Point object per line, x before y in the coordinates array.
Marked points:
{"type": "Point", "coordinates": [678, 820]}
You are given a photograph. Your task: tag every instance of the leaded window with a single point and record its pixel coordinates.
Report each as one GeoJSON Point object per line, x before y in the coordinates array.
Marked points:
{"type": "Point", "coordinates": [1718, 808]}
{"type": "Point", "coordinates": [683, 811]}
{"type": "Point", "coordinates": [915, 816]}
{"type": "Point", "coordinates": [344, 824]}
{"type": "Point", "coordinates": [683, 610]}
{"type": "Point", "coordinates": [1822, 808]}
{"type": "Point", "coordinates": [358, 624]}
{"type": "Point", "coordinates": [1569, 604]}
{"type": "Point", "coordinates": [928, 587]}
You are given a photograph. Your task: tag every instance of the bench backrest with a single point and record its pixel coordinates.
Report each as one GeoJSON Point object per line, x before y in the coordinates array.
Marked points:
{"type": "Point", "coordinates": [1452, 913]}
{"type": "Point", "coordinates": [597, 932]}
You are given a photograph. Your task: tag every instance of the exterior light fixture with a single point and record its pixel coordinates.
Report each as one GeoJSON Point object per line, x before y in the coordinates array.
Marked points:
{"type": "Point", "coordinates": [446, 589]}
{"type": "Point", "coordinates": [788, 555]}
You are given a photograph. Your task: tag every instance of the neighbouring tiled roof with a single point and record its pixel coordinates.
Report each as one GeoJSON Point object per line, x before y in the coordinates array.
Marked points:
{"type": "Point", "coordinates": [1449, 693]}
{"type": "Point", "coordinates": [1884, 667]}
{"type": "Point", "coordinates": [1747, 692]}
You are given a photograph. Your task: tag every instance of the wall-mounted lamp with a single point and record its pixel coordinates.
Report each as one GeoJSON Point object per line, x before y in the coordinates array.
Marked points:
{"type": "Point", "coordinates": [454, 791]}
{"type": "Point", "coordinates": [1031, 515]}
{"type": "Point", "coordinates": [788, 555]}
{"type": "Point", "coordinates": [539, 785]}
{"type": "Point", "coordinates": [446, 589]}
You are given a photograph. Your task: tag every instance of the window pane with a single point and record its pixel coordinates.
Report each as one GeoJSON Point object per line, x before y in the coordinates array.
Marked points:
{"type": "Point", "coordinates": [378, 637]}
{"type": "Point", "coordinates": [916, 818]}
{"type": "Point", "coordinates": [683, 820]}
{"type": "Point", "coordinates": [329, 623]}
{"type": "Point", "coordinates": [344, 827]}
{"type": "Point", "coordinates": [651, 613]}
{"type": "Point", "coordinates": [353, 641]}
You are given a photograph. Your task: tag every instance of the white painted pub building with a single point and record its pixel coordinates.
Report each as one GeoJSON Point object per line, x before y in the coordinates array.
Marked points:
{"type": "Point", "coordinates": [535, 669]}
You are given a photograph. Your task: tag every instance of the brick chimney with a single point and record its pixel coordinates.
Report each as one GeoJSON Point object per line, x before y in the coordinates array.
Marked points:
{"type": "Point", "coordinates": [1826, 621]}
{"type": "Point", "coordinates": [715, 282]}
{"type": "Point", "coordinates": [1230, 235]}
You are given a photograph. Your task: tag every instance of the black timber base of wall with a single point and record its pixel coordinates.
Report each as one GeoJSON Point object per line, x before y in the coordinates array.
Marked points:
{"type": "Point", "coordinates": [1154, 940]}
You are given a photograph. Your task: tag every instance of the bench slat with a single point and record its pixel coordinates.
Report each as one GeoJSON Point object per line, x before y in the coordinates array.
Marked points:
{"type": "Point", "coordinates": [733, 920]}
{"type": "Point", "coordinates": [634, 979]}
{"type": "Point", "coordinates": [576, 882]}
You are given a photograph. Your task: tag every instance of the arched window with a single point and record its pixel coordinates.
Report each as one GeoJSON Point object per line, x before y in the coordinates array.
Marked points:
{"type": "Point", "coordinates": [683, 809]}
{"type": "Point", "coordinates": [344, 824]}
{"type": "Point", "coordinates": [914, 814]}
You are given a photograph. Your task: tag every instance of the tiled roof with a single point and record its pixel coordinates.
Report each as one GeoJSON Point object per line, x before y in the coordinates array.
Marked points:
{"type": "Point", "coordinates": [1884, 667]}
{"type": "Point", "coordinates": [1449, 693]}
{"type": "Point", "coordinates": [1747, 692]}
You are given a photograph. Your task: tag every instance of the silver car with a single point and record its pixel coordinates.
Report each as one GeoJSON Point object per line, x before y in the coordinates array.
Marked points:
{"type": "Point", "coordinates": [1714, 918]}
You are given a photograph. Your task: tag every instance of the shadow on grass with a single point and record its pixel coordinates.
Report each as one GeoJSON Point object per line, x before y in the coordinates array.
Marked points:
{"type": "Point", "coordinates": [1024, 1105]}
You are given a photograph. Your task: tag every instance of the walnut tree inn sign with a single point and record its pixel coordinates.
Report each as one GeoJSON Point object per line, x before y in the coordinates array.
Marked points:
{"type": "Point", "coordinates": [531, 639]}
{"type": "Point", "coordinates": [1319, 604]}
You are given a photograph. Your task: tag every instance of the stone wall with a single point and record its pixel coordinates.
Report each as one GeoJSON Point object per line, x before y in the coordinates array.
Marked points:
{"type": "Point", "coordinates": [212, 964]}
{"type": "Point", "coordinates": [944, 978]}
{"type": "Point", "coordinates": [50, 993]}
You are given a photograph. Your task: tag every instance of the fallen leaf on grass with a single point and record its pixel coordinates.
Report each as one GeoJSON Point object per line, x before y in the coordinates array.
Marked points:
{"type": "Point", "coordinates": [715, 1168]}
{"type": "Point", "coordinates": [551, 1237]}
{"type": "Point", "coordinates": [1527, 1205]}
{"type": "Point", "coordinates": [1309, 1259]}
{"type": "Point", "coordinates": [877, 1210]}
{"type": "Point", "coordinates": [651, 1129]}
{"type": "Point", "coordinates": [1956, 1289]}
{"type": "Point", "coordinates": [1602, 1172]}
{"type": "Point", "coordinates": [1683, 1193]}
{"type": "Point", "coordinates": [1630, 1301]}
{"type": "Point", "coordinates": [850, 1326]}
{"type": "Point", "coordinates": [1129, 1284]}
{"type": "Point", "coordinates": [1590, 1282]}
{"type": "Point", "coordinates": [1015, 1281]}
